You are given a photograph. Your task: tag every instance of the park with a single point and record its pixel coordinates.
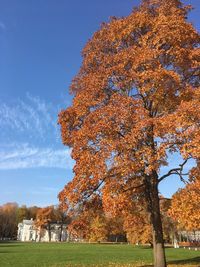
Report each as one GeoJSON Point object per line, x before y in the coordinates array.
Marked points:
{"type": "Point", "coordinates": [110, 171]}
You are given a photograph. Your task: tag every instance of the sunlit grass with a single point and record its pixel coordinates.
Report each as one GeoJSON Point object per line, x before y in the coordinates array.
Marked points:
{"type": "Point", "coordinates": [17, 254]}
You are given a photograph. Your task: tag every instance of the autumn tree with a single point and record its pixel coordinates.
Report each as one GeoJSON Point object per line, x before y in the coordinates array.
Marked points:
{"type": "Point", "coordinates": [62, 218]}
{"type": "Point", "coordinates": [8, 221]}
{"type": "Point", "coordinates": [170, 229]}
{"type": "Point", "coordinates": [115, 228]}
{"type": "Point", "coordinates": [98, 229]}
{"type": "Point", "coordinates": [185, 207]}
{"type": "Point", "coordinates": [32, 212]}
{"type": "Point", "coordinates": [88, 220]}
{"type": "Point", "coordinates": [138, 229]}
{"type": "Point", "coordinates": [22, 213]}
{"type": "Point", "coordinates": [45, 217]}
{"type": "Point", "coordinates": [136, 101]}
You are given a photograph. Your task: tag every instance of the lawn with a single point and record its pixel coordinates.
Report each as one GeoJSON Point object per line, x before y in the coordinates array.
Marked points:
{"type": "Point", "coordinates": [17, 254]}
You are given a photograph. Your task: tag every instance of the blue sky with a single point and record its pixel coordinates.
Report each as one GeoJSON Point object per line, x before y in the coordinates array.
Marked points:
{"type": "Point", "coordinates": [40, 52]}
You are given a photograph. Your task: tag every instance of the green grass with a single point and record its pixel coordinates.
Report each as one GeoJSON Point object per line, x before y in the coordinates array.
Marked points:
{"type": "Point", "coordinates": [15, 254]}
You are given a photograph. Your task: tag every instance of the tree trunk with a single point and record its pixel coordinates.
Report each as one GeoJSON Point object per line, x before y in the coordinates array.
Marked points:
{"type": "Point", "coordinates": [158, 242]}
{"type": "Point", "coordinates": [40, 233]}
{"type": "Point", "coordinates": [36, 234]}
{"type": "Point", "coordinates": [49, 232]}
{"type": "Point", "coordinates": [61, 231]}
{"type": "Point", "coordinates": [153, 207]}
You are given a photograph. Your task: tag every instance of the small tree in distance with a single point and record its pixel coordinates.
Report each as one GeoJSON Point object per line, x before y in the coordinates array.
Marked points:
{"type": "Point", "coordinates": [45, 217]}
{"type": "Point", "coordinates": [62, 218]}
{"type": "Point", "coordinates": [136, 100]}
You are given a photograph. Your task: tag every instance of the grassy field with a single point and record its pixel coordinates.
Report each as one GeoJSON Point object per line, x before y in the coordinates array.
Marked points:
{"type": "Point", "coordinates": [16, 254]}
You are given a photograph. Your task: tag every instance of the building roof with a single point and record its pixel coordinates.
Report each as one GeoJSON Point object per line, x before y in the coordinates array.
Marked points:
{"type": "Point", "coordinates": [28, 222]}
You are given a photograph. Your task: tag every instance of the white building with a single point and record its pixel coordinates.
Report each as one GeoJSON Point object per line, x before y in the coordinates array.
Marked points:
{"type": "Point", "coordinates": [189, 236]}
{"type": "Point", "coordinates": [28, 232]}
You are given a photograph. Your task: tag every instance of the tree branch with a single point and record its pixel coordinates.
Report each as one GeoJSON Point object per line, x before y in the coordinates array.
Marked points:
{"type": "Point", "coordinates": [176, 171]}
{"type": "Point", "coordinates": [133, 187]}
{"type": "Point", "coordinates": [99, 185]}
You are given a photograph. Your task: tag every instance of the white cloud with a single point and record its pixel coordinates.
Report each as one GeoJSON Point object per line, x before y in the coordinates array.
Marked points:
{"type": "Point", "coordinates": [24, 156]}
{"type": "Point", "coordinates": [2, 26]}
{"type": "Point", "coordinates": [32, 116]}
{"type": "Point", "coordinates": [30, 136]}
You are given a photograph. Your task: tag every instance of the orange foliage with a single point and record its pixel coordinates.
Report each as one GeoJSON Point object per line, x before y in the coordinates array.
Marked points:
{"type": "Point", "coordinates": [88, 221]}
{"type": "Point", "coordinates": [45, 215]}
{"type": "Point", "coordinates": [78, 228]}
{"type": "Point", "coordinates": [186, 208]}
{"type": "Point", "coordinates": [138, 229]}
{"type": "Point", "coordinates": [44, 218]}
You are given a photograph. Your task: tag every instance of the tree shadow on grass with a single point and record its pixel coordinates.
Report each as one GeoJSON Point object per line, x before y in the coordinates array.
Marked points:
{"type": "Point", "coordinates": [191, 261]}
{"type": "Point", "coordinates": [5, 251]}
{"type": "Point", "coordinates": [6, 246]}
{"type": "Point", "coordinates": [9, 245]}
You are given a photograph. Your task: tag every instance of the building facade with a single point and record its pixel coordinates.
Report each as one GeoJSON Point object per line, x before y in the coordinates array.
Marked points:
{"type": "Point", "coordinates": [28, 232]}
{"type": "Point", "coordinates": [189, 236]}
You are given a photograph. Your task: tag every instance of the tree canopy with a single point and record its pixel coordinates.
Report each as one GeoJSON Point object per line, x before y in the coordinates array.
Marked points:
{"type": "Point", "coordinates": [136, 100]}
{"type": "Point", "coordinates": [185, 207]}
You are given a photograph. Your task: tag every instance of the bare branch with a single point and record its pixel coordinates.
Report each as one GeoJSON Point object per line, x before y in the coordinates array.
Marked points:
{"type": "Point", "coordinates": [121, 134]}
{"type": "Point", "coordinates": [176, 171]}
{"type": "Point", "coordinates": [99, 185]}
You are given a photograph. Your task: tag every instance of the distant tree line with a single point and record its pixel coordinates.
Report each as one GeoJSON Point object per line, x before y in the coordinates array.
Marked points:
{"type": "Point", "coordinates": [10, 215]}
